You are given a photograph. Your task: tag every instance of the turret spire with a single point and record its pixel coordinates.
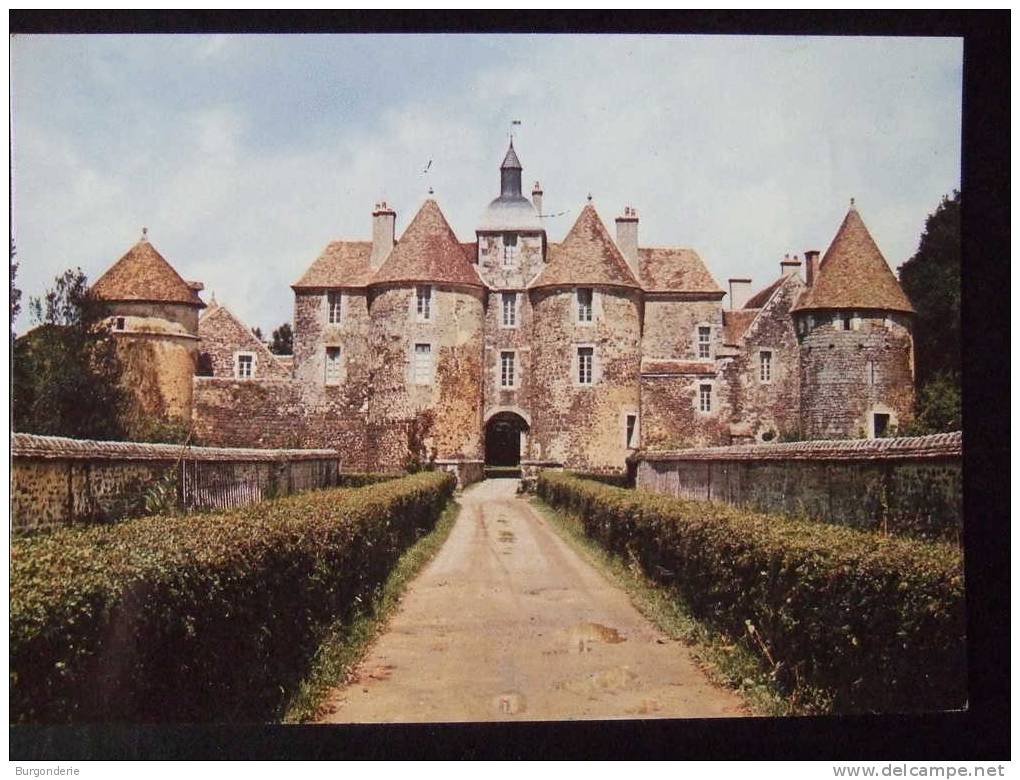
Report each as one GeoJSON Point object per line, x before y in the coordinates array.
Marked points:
{"type": "Point", "coordinates": [510, 174]}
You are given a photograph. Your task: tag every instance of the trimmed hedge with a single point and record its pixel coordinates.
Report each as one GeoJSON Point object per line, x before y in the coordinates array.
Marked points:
{"type": "Point", "coordinates": [877, 622]}
{"type": "Point", "coordinates": [200, 618]}
{"type": "Point", "coordinates": [612, 479]}
{"type": "Point", "coordinates": [355, 479]}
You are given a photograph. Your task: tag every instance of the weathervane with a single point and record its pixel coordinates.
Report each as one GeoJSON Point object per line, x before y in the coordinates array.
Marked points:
{"type": "Point", "coordinates": [513, 123]}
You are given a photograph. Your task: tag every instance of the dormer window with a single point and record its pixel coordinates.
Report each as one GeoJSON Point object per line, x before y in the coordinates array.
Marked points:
{"type": "Point", "coordinates": [244, 365]}
{"type": "Point", "coordinates": [119, 324]}
{"type": "Point", "coordinates": [423, 302]}
{"type": "Point", "coordinates": [509, 248]}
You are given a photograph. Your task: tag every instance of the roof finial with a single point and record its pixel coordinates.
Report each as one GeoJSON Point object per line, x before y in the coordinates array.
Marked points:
{"type": "Point", "coordinates": [212, 296]}
{"type": "Point", "coordinates": [589, 197]}
{"type": "Point", "coordinates": [145, 234]}
{"type": "Point", "coordinates": [852, 203]}
{"type": "Point", "coordinates": [431, 191]}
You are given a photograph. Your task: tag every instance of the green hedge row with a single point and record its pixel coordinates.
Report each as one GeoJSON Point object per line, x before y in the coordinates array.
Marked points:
{"type": "Point", "coordinates": [200, 618]}
{"type": "Point", "coordinates": [878, 622]}
{"type": "Point", "coordinates": [353, 479]}
{"type": "Point", "coordinates": [615, 480]}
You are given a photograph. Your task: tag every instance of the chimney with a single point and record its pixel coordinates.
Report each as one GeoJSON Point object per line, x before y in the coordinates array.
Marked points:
{"type": "Point", "coordinates": [626, 237]}
{"type": "Point", "coordinates": [788, 267]}
{"type": "Point", "coordinates": [536, 197]}
{"type": "Point", "coordinates": [384, 220]}
{"type": "Point", "coordinates": [811, 263]}
{"type": "Point", "coordinates": [740, 291]}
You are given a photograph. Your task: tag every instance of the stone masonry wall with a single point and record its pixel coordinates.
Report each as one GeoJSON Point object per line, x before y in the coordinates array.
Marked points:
{"type": "Point", "coordinates": [838, 396]}
{"type": "Point", "coordinates": [57, 481]}
{"type": "Point", "coordinates": [907, 485]}
{"type": "Point", "coordinates": [584, 426]}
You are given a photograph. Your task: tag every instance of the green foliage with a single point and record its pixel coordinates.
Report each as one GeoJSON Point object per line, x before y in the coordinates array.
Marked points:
{"type": "Point", "coordinates": [877, 622]}
{"type": "Point", "coordinates": [15, 292]}
{"type": "Point", "coordinates": [939, 407]}
{"type": "Point", "coordinates": [931, 279]}
{"type": "Point", "coordinates": [210, 617]}
{"type": "Point", "coordinates": [419, 429]}
{"type": "Point", "coordinates": [615, 480]}
{"type": "Point", "coordinates": [257, 333]}
{"type": "Point", "coordinates": [66, 370]}
{"type": "Point", "coordinates": [351, 479]}
{"type": "Point", "coordinates": [283, 340]}
{"type": "Point", "coordinates": [161, 430]}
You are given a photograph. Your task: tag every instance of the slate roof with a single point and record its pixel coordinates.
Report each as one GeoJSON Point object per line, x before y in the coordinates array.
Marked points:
{"type": "Point", "coordinates": [677, 367]}
{"type": "Point", "coordinates": [143, 274]}
{"type": "Point", "coordinates": [587, 256]}
{"type": "Point", "coordinates": [511, 160]}
{"type": "Point", "coordinates": [735, 324]}
{"type": "Point", "coordinates": [341, 264]}
{"type": "Point", "coordinates": [675, 269]}
{"type": "Point", "coordinates": [853, 274]}
{"type": "Point", "coordinates": [428, 251]}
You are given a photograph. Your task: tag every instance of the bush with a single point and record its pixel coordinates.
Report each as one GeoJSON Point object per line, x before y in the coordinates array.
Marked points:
{"type": "Point", "coordinates": [352, 479]}
{"type": "Point", "coordinates": [614, 480]}
{"type": "Point", "coordinates": [876, 621]}
{"type": "Point", "coordinates": [199, 618]}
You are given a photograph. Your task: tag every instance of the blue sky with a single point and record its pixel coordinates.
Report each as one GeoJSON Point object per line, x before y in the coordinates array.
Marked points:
{"type": "Point", "coordinates": [245, 155]}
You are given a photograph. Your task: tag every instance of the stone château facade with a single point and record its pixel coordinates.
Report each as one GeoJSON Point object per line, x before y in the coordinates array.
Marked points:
{"type": "Point", "coordinates": [514, 349]}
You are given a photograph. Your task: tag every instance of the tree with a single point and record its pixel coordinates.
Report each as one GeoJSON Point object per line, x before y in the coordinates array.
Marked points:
{"type": "Point", "coordinates": [931, 279]}
{"type": "Point", "coordinates": [283, 340]}
{"type": "Point", "coordinates": [15, 292]}
{"type": "Point", "coordinates": [257, 332]}
{"type": "Point", "coordinates": [66, 370]}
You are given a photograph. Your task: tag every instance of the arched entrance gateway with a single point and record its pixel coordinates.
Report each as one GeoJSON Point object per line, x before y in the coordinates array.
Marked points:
{"type": "Point", "coordinates": [504, 439]}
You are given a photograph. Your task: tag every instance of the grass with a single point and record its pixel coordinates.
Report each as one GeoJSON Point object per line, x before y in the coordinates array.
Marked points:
{"type": "Point", "coordinates": [727, 662]}
{"type": "Point", "coordinates": [346, 642]}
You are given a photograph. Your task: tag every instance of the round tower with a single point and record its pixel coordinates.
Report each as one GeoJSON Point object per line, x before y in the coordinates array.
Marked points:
{"type": "Point", "coordinates": [586, 352]}
{"type": "Point", "coordinates": [154, 318]}
{"type": "Point", "coordinates": [855, 328]}
{"type": "Point", "coordinates": [427, 309]}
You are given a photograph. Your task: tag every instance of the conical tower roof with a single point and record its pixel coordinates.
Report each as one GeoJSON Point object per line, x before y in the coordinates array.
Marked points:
{"type": "Point", "coordinates": [143, 274]}
{"type": "Point", "coordinates": [853, 274]}
{"type": "Point", "coordinates": [587, 256]}
{"type": "Point", "coordinates": [511, 161]}
{"type": "Point", "coordinates": [428, 251]}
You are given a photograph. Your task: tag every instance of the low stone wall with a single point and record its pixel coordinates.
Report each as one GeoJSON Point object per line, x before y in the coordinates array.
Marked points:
{"type": "Point", "coordinates": [466, 471]}
{"type": "Point", "coordinates": [907, 485]}
{"type": "Point", "coordinates": [58, 481]}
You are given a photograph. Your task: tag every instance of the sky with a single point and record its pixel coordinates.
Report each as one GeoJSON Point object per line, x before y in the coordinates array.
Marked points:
{"type": "Point", "coordinates": [245, 155]}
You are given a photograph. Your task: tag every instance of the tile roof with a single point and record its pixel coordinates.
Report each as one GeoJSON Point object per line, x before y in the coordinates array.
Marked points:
{"type": "Point", "coordinates": [218, 323]}
{"type": "Point", "coordinates": [143, 274]}
{"type": "Point", "coordinates": [762, 297]}
{"type": "Point", "coordinates": [677, 367]}
{"type": "Point", "coordinates": [341, 264]}
{"type": "Point", "coordinates": [853, 274]}
{"type": "Point", "coordinates": [587, 256]}
{"type": "Point", "coordinates": [428, 251]}
{"type": "Point", "coordinates": [674, 269]}
{"type": "Point", "coordinates": [735, 324]}
{"type": "Point", "coordinates": [939, 445]}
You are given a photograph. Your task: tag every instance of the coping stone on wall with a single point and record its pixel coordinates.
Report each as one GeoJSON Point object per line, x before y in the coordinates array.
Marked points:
{"type": "Point", "coordinates": [27, 445]}
{"type": "Point", "coordinates": [939, 445]}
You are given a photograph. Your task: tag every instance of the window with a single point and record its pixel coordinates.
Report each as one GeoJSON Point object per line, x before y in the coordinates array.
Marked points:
{"type": "Point", "coordinates": [509, 309]}
{"type": "Point", "coordinates": [765, 366]}
{"type": "Point", "coordinates": [881, 426]}
{"type": "Point", "coordinates": [422, 364]}
{"type": "Point", "coordinates": [244, 367]}
{"type": "Point", "coordinates": [424, 302]}
{"type": "Point", "coordinates": [631, 435]}
{"type": "Point", "coordinates": [585, 365]}
{"type": "Point", "coordinates": [120, 323]}
{"type": "Point", "coordinates": [705, 398]}
{"type": "Point", "coordinates": [871, 372]}
{"type": "Point", "coordinates": [509, 247]}
{"type": "Point", "coordinates": [334, 307]}
{"type": "Point", "coordinates": [507, 375]}
{"type": "Point", "coordinates": [332, 376]}
{"type": "Point", "coordinates": [704, 341]}
{"type": "Point", "coordinates": [585, 296]}
{"type": "Point", "coordinates": [844, 321]}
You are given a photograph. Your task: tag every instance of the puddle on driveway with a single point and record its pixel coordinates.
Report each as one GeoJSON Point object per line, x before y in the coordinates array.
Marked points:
{"type": "Point", "coordinates": [583, 635]}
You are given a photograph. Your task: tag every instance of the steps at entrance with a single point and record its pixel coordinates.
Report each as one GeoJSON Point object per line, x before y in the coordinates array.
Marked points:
{"type": "Point", "coordinates": [502, 472]}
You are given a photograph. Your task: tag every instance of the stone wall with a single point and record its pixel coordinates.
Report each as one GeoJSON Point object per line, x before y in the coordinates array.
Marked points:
{"type": "Point", "coordinates": [223, 336]}
{"type": "Point", "coordinates": [57, 481]}
{"type": "Point", "coordinates": [909, 485]}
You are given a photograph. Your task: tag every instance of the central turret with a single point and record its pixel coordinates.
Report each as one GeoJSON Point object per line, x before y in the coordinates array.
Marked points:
{"type": "Point", "coordinates": [511, 211]}
{"type": "Point", "coordinates": [510, 175]}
